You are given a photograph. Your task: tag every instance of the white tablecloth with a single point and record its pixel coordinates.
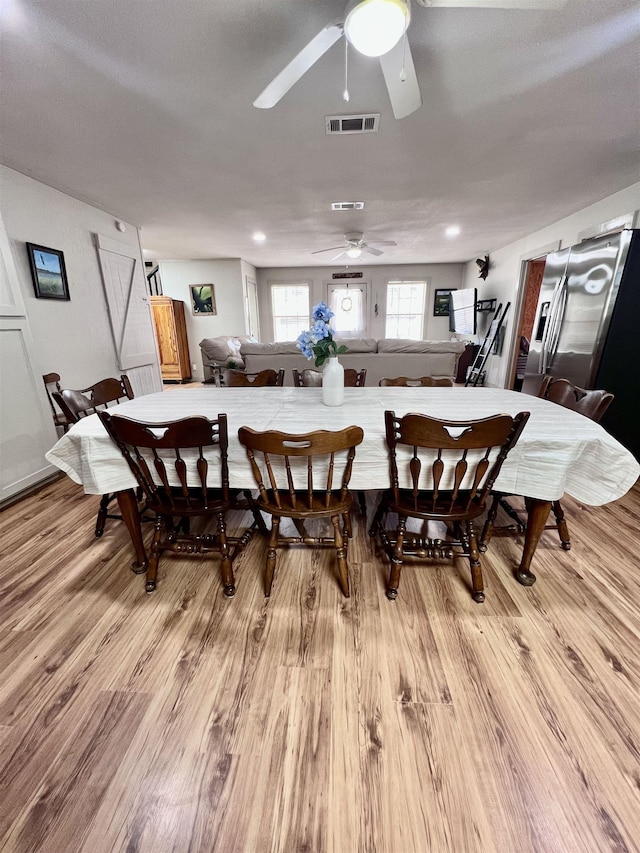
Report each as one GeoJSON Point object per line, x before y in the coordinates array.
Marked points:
{"type": "Point", "coordinates": [558, 452]}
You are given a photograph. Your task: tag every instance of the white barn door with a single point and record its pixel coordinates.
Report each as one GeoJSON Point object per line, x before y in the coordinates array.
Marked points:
{"type": "Point", "coordinates": [129, 314]}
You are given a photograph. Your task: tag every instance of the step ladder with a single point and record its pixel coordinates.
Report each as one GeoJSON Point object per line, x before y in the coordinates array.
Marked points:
{"type": "Point", "coordinates": [476, 373]}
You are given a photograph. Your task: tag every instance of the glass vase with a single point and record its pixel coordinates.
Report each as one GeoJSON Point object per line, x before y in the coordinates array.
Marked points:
{"type": "Point", "coordinates": [333, 382]}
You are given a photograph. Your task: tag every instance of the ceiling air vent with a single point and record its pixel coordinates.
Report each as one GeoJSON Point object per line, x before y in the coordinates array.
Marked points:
{"type": "Point", "coordinates": [347, 205]}
{"type": "Point", "coordinates": [352, 124]}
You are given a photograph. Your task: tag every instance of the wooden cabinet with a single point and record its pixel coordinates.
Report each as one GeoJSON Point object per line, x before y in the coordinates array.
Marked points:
{"type": "Point", "coordinates": [171, 335]}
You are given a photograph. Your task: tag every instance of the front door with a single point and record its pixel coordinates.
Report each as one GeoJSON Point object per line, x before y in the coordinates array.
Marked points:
{"type": "Point", "coordinates": [350, 304]}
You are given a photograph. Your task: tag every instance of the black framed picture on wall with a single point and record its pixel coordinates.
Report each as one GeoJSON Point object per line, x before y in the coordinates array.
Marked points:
{"type": "Point", "coordinates": [48, 272]}
{"type": "Point", "coordinates": [441, 302]}
{"type": "Point", "coordinates": [203, 300]}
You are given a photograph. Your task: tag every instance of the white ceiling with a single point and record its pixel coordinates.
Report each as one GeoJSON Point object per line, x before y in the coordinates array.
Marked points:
{"type": "Point", "coordinates": [144, 109]}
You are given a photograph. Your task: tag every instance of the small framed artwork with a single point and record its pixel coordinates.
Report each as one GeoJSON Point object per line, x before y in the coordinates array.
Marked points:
{"type": "Point", "coordinates": [48, 272]}
{"type": "Point", "coordinates": [441, 302]}
{"type": "Point", "coordinates": [203, 300]}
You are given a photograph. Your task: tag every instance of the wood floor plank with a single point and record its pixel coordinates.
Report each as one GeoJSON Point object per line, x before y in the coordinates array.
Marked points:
{"type": "Point", "coordinates": [184, 721]}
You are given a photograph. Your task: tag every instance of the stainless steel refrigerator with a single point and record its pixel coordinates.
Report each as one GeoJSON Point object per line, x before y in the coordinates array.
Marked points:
{"type": "Point", "coordinates": [587, 326]}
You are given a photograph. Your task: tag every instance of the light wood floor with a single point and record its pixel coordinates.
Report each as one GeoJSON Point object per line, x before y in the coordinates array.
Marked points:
{"type": "Point", "coordinates": [183, 721]}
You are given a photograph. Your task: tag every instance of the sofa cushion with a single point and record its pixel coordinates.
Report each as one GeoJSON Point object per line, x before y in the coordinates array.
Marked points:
{"type": "Point", "coordinates": [406, 345]}
{"type": "Point", "coordinates": [359, 344]}
{"type": "Point", "coordinates": [288, 347]}
{"type": "Point", "coordinates": [280, 348]}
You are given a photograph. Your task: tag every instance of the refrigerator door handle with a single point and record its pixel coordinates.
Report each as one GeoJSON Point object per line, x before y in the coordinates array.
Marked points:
{"type": "Point", "coordinates": [558, 320]}
{"type": "Point", "coordinates": [542, 360]}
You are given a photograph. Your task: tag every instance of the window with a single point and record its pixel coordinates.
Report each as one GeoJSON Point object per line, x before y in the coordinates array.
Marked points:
{"type": "Point", "coordinates": [290, 309]}
{"type": "Point", "coordinates": [405, 309]}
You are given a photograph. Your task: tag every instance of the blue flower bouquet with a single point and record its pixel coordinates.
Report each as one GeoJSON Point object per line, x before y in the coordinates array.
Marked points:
{"type": "Point", "coordinates": [318, 340]}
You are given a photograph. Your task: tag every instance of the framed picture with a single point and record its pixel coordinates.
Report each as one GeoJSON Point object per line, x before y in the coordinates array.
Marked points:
{"type": "Point", "coordinates": [48, 272]}
{"type": "Point", "coordinates": [203, 300]}
{"type": "Point", "coordinates": [441, 302]}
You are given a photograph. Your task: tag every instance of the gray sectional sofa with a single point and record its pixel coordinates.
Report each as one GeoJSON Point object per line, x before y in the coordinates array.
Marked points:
{"type": "Point", "coordinates": [385, 357]}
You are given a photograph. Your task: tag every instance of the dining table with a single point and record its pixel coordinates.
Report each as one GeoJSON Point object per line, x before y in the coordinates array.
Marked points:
{"type": "Point", "coordinates": [559, 451]}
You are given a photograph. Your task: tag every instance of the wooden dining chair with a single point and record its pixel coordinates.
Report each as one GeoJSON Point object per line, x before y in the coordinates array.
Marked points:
{"type": "Point", "coordinates": [51, 384]}
{"type": "Point", "coordinates": [420, 382]}
{"type": "Point", "coordinates": [304, 477]}
{"type": "Point", "coordinates": [169, 463]}
{"type": "Point", "coordinates": [77, 404]}
{"type": "Point", "coordinates": [261, 379]}
{"type": "Point", "coordinates": [310, 378]}
{"type": "Point", "coordinates": [592, 404]}
{"type": "Point", "coordinates": [441, 471]}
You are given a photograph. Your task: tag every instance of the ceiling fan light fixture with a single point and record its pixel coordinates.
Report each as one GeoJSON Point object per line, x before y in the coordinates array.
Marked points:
{"type": "Point", "coordinates": [373, 27]}
{"type": "Point", "coordinates": [354, 252]}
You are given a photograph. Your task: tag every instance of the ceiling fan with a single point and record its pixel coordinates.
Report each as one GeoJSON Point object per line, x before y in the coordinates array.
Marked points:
{"type": "Point", "coordinates": [354, 246]}
{"type": "Point", "coordinates": [378, 28]}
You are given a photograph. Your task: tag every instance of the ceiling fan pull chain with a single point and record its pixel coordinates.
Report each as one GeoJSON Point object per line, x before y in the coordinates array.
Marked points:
{"type": "Point", "coordinates": [345, 94]}
{"type": "Point", "coordinates": [403, 73]}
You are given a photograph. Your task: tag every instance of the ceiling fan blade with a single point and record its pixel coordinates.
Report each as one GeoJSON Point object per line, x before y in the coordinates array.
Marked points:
{"type": "Point", "coordinates": [299, 66]}
{"type": "Point", "coordinates": [331, 249]}
{"type": "Point", "coordinates": [371, 250]}
{"type": "Point", "coordinates": [494, 4]}
{"type": "Point", "coordinates": [337, 257]}
{"type": "Point", "coordinates": [382, 243]}
{"type": "Point", "coordinates": [404, 94]}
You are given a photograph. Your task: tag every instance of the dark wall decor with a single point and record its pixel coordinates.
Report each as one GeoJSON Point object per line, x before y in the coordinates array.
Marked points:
{"type": "Point", "coordinates": [48, 272]}
{"type": "Point", "coordinates": [203, 300]}
{"type": "Point", "coordinates": [441, 302]}
{"type": "Point", "coordinates": [483, 267]}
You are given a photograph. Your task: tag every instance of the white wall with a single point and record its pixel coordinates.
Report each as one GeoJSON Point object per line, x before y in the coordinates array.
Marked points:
{"type": "Point", "coordinates": [227, 278]}
{"type": "Point", "coordinates": [437, 276]}
{"type": "Point", "coordinates": [71, 338]}
{"type": "Point", "coordinates": [505, 271]}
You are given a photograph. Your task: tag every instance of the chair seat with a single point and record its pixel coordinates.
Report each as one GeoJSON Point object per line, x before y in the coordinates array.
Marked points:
{"type": "Point", "coordinates": [424, 507]}
{"type": "Point", "coordinates": [320, 507]}
{"type": "Point", "coordinates": [180, 505]}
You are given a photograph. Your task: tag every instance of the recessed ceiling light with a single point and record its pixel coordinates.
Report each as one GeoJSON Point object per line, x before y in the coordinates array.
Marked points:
{"type": "Point", "coordinates": [259, 237]}
{"type": "Point", "coordinates": [452, 231]}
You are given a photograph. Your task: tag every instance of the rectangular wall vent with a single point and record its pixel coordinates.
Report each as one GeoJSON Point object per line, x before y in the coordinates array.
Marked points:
{"type": "Point", "coordinates": [347, 205]}
{"type": "Point", "coordinates": [352, 124]}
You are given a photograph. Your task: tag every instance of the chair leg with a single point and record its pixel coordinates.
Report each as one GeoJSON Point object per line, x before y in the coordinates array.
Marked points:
{"type": "Point", "coordinates": [226, 567]}
{"type": "Point", "coordinates": [270, 565]}
{"type": "Point", "coordinates": [348, 529]}
{"type": "Point", "coordinates": [396, 559]}
{"type": "Point", "coordinates": [477, 583]}
{"type": "Point", "coordinates": [379, 513]}
{"type": "Point", "coordinates": [298, 523]}
{"type": "Point", "coordinates": [487, 530]}
{"type": "Point", "coordinates": [105, 500]}
{"type": "Point", "coordinates": [343, 569]}
{"type": "Point", "coordinates": [257, 515]}
{"type": "Point", "coordinates": [154, 555]}
{"type": "Point", "coordinates": [362, 503]}
{"type": "Point", "coordinates": [563, 530]}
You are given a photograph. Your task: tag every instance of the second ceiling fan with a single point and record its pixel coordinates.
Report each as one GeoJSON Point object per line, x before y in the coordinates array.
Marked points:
{"type": "Point", "coordinates": [354, 246]}
{"type": "Point", "coordinates": [378, 28]}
